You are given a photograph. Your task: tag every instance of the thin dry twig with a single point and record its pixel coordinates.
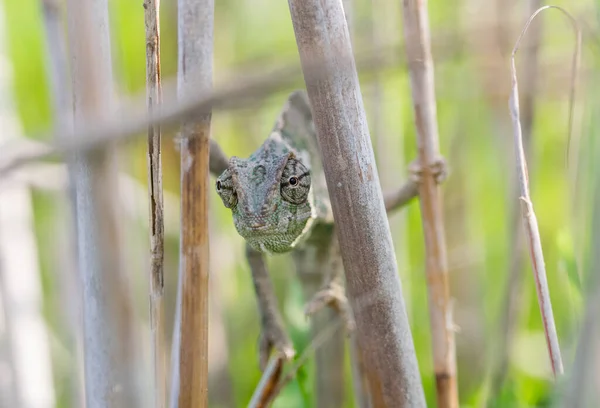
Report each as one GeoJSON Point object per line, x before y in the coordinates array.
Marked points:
{"type": "Point", "coordinates": [155, 199]}
{"type": "Point", "coordinates": [265, 390]}
{"type": "Point", "coordinates": [420, 63]}
{"type": "Point", "coordinates": [318, 341]}
{"type": "Point", "coordinates": [400, 197]}
{"type": "Point", "coordinates": [529, 218]}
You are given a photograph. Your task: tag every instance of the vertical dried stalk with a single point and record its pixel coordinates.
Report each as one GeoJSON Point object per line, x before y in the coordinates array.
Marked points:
{"type": "Point", "coordinates": [529, 219]}
{"type": "Point", "coordinates": [418, 50]}
{"type": "Point", "coordinates": [195, 22]}
{"type": "Point", "coordinates": [361, 222]}
{"type": "Point", "coordinates": [20, 287]}
{"type": "Point", "coordinates": [155, 195]}
{"type": "Point", "coordinates": [107, 321]}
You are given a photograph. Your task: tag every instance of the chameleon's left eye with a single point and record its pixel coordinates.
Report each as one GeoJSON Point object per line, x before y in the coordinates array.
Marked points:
{"type": "Point", "coordinates": [295, 182]}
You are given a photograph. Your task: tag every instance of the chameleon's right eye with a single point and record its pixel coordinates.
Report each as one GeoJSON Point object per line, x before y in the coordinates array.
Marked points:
{"type": "Point", "coordinates": [226, 190]}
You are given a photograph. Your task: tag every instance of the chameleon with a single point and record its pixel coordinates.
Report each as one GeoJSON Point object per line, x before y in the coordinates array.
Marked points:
{"type": "Point", "coordinates": [278, 198]}
{"type": "Point", "coordinates": [279, 201]}
{"type": "Point", "coordinates": [278, 194]}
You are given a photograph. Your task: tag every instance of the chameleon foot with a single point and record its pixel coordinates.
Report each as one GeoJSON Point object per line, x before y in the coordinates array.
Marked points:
{"type": "Point", "coordinates": [274, 337]}
{"type": "Point", "coordinates": [333, 295]}
{"type": "Point", "coordinates": [438, 169]}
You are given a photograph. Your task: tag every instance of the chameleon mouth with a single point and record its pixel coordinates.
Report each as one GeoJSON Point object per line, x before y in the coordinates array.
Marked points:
{"type": "Point", "coordinates": [259, 228]}
{"type": "Point", "coordinates": [256, 227]}
{"type": "Point", "coordinates": [253, 227]}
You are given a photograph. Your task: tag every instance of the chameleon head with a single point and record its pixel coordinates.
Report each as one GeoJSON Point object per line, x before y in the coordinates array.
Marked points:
{"type": "Point", "coordinates": [269, 198]}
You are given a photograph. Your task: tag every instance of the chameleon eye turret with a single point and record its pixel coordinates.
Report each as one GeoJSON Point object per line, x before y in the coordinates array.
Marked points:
{"type": "Point", "coordinates": [226, 189]}
{"type": "Point", "coordinates": [295, 182]}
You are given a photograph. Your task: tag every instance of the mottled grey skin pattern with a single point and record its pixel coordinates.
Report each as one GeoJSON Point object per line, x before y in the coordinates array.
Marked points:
{"type": "Point", "coordinates": [278, 193]}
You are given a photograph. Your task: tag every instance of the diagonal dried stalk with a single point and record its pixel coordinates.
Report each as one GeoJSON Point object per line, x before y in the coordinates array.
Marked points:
{"type": "Point", "coordinates": [265, 391]}
{"type": "Point", "coordinates": [195, 27]}
{"type": "Point", "coordinates": [420, 63]}
{"type": "Point", "coordinates": [362, 228]}
{"type": "Point", "coordinates": [238, 89]}
{"type": "Point", "coordinates": [155, 199]}
{"type": "Point", "coordinates": [529, 219]}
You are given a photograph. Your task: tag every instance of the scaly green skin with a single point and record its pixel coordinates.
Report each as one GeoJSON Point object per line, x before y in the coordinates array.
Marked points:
{"type": "Point", "coordinates": [278, 193]}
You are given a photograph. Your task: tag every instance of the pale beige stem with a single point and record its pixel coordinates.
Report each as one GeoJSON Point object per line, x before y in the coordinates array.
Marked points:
{"type": "Point", "coordinates": [155, 199]}
{"type": "Point", "coordinates": [420, 64]}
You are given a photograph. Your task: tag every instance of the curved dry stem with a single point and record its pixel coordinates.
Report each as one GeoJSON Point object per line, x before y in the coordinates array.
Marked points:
{"type": "Point", "coordinates": [575, 62]}
{"type": "Point", "coordinates": [529, 219]}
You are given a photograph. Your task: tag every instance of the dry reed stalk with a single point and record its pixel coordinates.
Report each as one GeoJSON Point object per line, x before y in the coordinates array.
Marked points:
{"type": "Point", "coordinates": [362, 228]}
{"type": "Point", "coordinates": [529, 219]}
{"type": "Point", "coordinates": [195, 28]}
{"type": "Point", "coordinates": [420, 64]}
{"type": "Point", "coordinates": [155, 199]}
{"type": "Point", "coordinates": [109, 355]}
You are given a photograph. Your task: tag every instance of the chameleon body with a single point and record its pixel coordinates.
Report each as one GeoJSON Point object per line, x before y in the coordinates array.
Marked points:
{"type": "Point", "coordinates": [278, 194]}
{"type": "Point", "coordinates": [279, 201]}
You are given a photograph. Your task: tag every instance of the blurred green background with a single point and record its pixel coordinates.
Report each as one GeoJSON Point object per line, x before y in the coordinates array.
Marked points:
{"type": "Point", "coordinates": [472, 42]}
